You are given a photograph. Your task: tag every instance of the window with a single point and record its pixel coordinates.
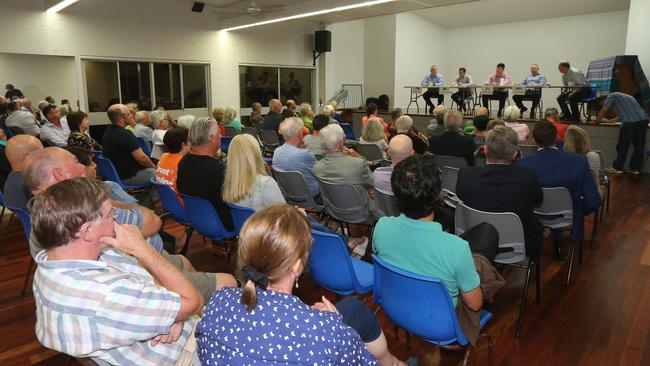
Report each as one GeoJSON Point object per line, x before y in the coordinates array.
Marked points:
{"type": "Point", "coordinates": [295, 84]}
{"type": "Point", "coordinates": [167, 81]}
{"type": "Point", "coordinates": [261, 84]}
{"type": "Point", "coordinates": [101, 84]}
{"type": "Point", "coordinates": [194, 92]}
{"type": "Point", "coordinates": [135, 81]}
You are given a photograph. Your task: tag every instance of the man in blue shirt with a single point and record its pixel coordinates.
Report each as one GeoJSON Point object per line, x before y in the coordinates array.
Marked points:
{"type": "Point", "coordinates": [634, 123]}
{"type": "Point", "coordinates": [532, 94]}
{"type": "Point", "coordinates": [433, 79]}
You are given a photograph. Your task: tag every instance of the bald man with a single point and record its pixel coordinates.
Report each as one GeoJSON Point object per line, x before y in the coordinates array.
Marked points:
{"type": "Point", "coordinates": [400, 148]}
{"type": "Point", "coordinates": [273, 118]}
{"type": "Point", "coordinates": [18, 147]}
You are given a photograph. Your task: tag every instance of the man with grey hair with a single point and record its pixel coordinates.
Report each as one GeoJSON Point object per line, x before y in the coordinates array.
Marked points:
{"type": "Point", "coordinates": [532, 94]}
{"type": "Point", "coordinates": [292, 155]}
{"type": "Point", "coordinates": [22, 119]}
{"type": "Point", "coordinates": [433, 79]}
{"type": "Point", "coordinates": [453, 142]}
{"type": "Point", "coordinates": [142, 127]}
{"type": "Point", "coordinates": [256, 120]}
{"type": "Point", "coordinates": [273, 118]}
{"type": "Point", "coordinates": [501, 186]}
{"type": "Point", "coordinates": [400, 148]}
{"type": "Point", "coordinates": [437, 123]}
{"type": "Point", "coordinates": [200, 174]}
{"type": "Point", "coordinates": [186, 121]}
{"type": "Point", "coordinates": [553, 115]}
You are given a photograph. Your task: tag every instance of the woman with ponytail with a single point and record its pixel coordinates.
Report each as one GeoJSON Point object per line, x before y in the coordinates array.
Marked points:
{"type": "Point", "coordinates": [262, 322]}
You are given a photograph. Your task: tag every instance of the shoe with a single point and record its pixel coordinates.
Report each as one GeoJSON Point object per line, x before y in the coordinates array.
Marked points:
{"type": "Point", "coordinates": [359, 246]}
{"type": "Point", "coordinates": [524, 109]}
{"type": "Point", "coordinates": [532, 115]}
{"type": "Point", "coordinates": [431, 110]}
{"type": "Point", "coordinates": [612, 170]}
{"type": "Point", "coordinates": [636, 173]}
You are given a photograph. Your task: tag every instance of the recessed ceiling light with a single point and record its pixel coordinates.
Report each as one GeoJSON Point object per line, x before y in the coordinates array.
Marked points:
{"type": "Point", "coordinates": [60, 6]}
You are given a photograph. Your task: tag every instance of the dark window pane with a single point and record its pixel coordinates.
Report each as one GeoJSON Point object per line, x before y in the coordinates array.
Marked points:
{"type": "Point", "coordinates": [295, 84]}
{"type": "Point", "coordinates": [167, 80]}
{"type": "Point", "coordinates": [136, 84]}
{"type": "Point", "coordinates": [257, 84]}
{"type": "Point", "coordinates": [101, 85]}
{"type": "Point", "coordinates": [194, 86]}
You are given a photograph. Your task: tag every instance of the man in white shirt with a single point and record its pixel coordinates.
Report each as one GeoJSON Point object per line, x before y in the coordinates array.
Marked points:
{"type": "Point", "coordinates": [572, 77]}
{"type": "Point", "coordinates": [55, 131]}
{"type": "Point", "coordinates": [22, 119]}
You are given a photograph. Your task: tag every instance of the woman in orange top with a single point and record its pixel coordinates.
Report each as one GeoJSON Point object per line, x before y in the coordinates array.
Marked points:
{"type": "Point", "coordinates": [371, 112]}
{"type": "Point", "coordinates": [176, 141]}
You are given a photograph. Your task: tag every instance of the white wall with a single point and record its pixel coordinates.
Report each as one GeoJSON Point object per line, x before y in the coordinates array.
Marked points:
{"type": "Point", "coordinates": [379, 56]}
{"type": "Point", "coordinates": [579, 39]}
{"type": "Point", "coordinates": [344, 65]}
{"type": "Point", "coordinates": [40, 76]}
{"type": "Point", "coordinates": [419, 44]}
{"type": "Point", "coordinates": [638, 31]}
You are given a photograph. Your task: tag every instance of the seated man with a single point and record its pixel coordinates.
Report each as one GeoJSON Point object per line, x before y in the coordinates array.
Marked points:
{"type": "Point", "coordinates": [100, 289]}
{"type": "Point", "coordinates": [552, 115]}
{"type": "Point", "coordinates": [22, 119]}
{"type": "Point", "coordinates": [292, 156]}
{"type": "Point", "coordinates": [142, 127]}
{"type": "Point", "coordinates": [462, 94]}
{"type": "Point", "coordinates": [342, 166]}
{"type": "Point", "coordinates": [532, 94]}
{"type": "Point", "coordinates": [437, 124]}
{"type": "Point", "coordinates": [313, 141]}
{"type": "Point", "coordinates": [578, 90]}
{"type": "Point", "coordinates": [200, 174]}
{"type": "Point", "coordinates": [497, 79]}
{"type": "Point", "coordinates": [503, 187]}
{"type": "Point", "coordinates": [273, 118]}
{"type": "Point", "coordinates": [453, 142]}
{"type": "Point", "coordinates": [399, 148]}
{"type": "Point", "coordinates": [122, 148]}
{"type": "Point", "coordinates": [433, 79]}
{"type": "Point", "coordinates": [256, 120]}
{"type": "Point", "coordinates": [18, 147]}
{"type": "Point", "coordinates": [55, 131]}
{"type": "Point", "coordinates": [480, 130]}
{"type": "Point", "coordinates": [556, 168]}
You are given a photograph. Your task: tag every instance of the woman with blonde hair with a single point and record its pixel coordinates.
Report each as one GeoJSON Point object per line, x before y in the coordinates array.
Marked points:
{"type": "Point", "coordinates": [218, 113]}
{"type": "Point", "coordinates": [307, 115]}
{"type": "Point", "coordinates": [272, 326]}
{"type": "Point", "coordinates": [576, 140]}
{"type": "Point", "coordinates": [373, 133]}
{"type": "Point", "coordinates": [229, 118]}
{"type": "Point", "coordinates": [247, 182]}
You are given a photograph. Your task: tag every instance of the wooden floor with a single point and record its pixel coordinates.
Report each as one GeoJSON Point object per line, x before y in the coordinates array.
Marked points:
{"type": "Point", "coordinates": [602, 318]}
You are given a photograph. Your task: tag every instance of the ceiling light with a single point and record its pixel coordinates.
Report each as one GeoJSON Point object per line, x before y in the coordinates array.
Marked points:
{"type": "Point", "coordinates": [60, 6]}
{"type": "Point", "coordinates": [304, 15]}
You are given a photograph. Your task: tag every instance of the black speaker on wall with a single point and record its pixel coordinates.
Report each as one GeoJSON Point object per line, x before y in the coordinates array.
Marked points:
{"type": "Point", "coordinates": [197, 7]}
{"type": "Point", "coordinates": [322, 41]}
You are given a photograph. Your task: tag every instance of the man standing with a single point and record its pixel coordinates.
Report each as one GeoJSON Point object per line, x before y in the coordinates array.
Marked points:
{"type": "Point", "coordinates": [497, 79]}
{"type": "Point", "coordinates": [433, 79]}
{"type": "Point", "coordinates": [273, 118]}
{"type": "Point", "coordinates": [577, 91]}
{"type": "Point", "coordinates": [463, 93]}
{"type": "Point", "coordinates": [55, 131]}
{"type": "Point", "coordinates": [634, 123]}
{"type": "Point", "coordinates": [533, 94]}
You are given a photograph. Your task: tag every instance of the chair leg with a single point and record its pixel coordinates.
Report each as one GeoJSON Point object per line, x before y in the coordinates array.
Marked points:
{"type": "Point", "coordinates": [490, 347]}
{"type": "Point", "coordinates": [468, 350]}
{"type": "Point", "coordinates": [2, 214]}
{"type": "Point", "coordinates": [594, 228]}
{"type": "Point", "coordinates": [408, 339]}
{"type": "Point", "coordinates": [608, 194]}
{"type": "Point", "coordinates": [522, 307]}
{"type": "Point", "coordinates": [188, 234]}
{"type": "Point", "coordinates": [538, 289]}
{"type": "Point", "coordinates": [580, 243]}
{"type": "Point", "coordinates": [29, 274]}
{"type": "Point", "coordinates": [573, 250]}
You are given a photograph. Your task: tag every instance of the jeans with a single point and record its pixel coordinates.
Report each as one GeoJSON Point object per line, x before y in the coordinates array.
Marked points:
{"type": "Point", "coordinates": [631, 133]}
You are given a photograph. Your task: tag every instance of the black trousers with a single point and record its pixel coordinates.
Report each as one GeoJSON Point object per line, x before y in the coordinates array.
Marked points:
{"type": "Point", "coordinates": [573, 97]}
{"type": "Point", "coordinates": [631, 133]}
{"type": "Point", "coordinates": [501, 96]}
{"type": "Point", "coordinates": [359, 317]}
{"type": "Point", "coordinates": [433, 92]}
{"type": "Point", "coordinates": [532, 95]}
{"type": "Point", "coordinates": [460, 96]}
{"type": "Point", "coordinates": [483, 239]}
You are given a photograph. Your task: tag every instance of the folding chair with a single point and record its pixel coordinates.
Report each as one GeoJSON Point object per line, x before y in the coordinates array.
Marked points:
{"type": "Point", "coordinates": [27, 228]}
{"type": "Point", "coordinates": [172, 205]}
{"type": "Point", "coordinates": [144, 145]}
{"type": "Point", "coordinates": [387, 203]}
{"type": "Point", "coordinates": [107, 170]}
{"type": "Point", "coordinates": [270, 141]}
{"type": "Point", "coordinates": [605, 181]}
{"type": "Point", "coordinates": [206, 221]}
{"type": "Point", "coordinates": [449, 177]}
{"type": "Point", "coordinates": [371, 152]}
{"type": "Point", "coordinates": [349, 132]}
{"type": "Point", "coordinates": [239, 215]}
{"type": "Point", "coordinates": [452, 161]}
{"type": "Point", "coordinates": [345, 204]}
{"type": "Point", "coordinates": [295, 190]}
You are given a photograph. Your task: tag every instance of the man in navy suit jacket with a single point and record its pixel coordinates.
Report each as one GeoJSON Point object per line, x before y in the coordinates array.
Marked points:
{"type": "Point", "coordinates": [556, 168]}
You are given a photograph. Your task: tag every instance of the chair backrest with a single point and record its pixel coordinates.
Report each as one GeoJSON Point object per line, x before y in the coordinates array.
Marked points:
{"type": "Point", "coordinates": [319, 156]}
{"type": "Point", "coordinates": [330, 264]}
{"type": "Point", "coordinates": [107, 170]}
{"type": "Point", "coordinates": [370, 151]}
{"type": "Point", "coordinates": [343, 202]}
{"type": "Point", "coordinates": [204, 218]}
{"type": "Point", "coordinates": [269, 138]}
{"type": "Point", "coordinates": [349, 132]}
{"type": "Point", "coordinates": [419, 304]}
{"type": "Point", "coordinates": [231, 131]}
{"type": "Point", "coordinates": [249, 130]}
{"type": "Point", "coordinates": [593, 93]}
{"type": "Point", "coordinates": [601, 171]}
{"type": "Point", "coordinates": [171, 203]}
{"type": "Point", "coordinates": [527, 150]}
{"type": "Point", "coordinates": [15, 130]}
{"type": "Point", "coordinates": [2, 199]}
{"type": "Point", "coordinates": [144, 145]}
{"type": "Point", "coordinates": [295, 190]}
{"type": "Point", "coordinates": [24, 218]}
{"type": "Point", "coordinates": [557, 208]}
{"type": "Point", "coordinates": [239, 215]}
{"type": "Point", "coordinates": [449, 177]}
{"type": "Point", "coordinates": [225, 142]}
{"type": "Point", "coordinates": [452, 161]}
{"type": "Point", "coordinates": [508, 225]}
{"type": "Point", "coordinates": [387, 203]}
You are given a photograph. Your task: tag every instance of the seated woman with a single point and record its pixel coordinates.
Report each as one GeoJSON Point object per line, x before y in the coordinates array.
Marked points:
{"type": "Point", "coordinates": [270, 324]}
{"type": "Point", "coordinates": [307, 114]}
{"type": "Point", "coordinates": [230, 120]}
{"type": "Point", "coordinates": [511, 116]}
{"type": "Point", "coordinates": [372, 133]}
{"type": "Point", "coordinates": [79, 124]}
{"type": "Point", "coordinates": [160, 122]}
{"type": "Point", "coordinates": [177, 146]}
{"type": "Point", "coordinates": [576, 140]}
{"type": "Point", "coordinates": [218, 114]}
{"type": "Point", "coordinates": [404, 126]}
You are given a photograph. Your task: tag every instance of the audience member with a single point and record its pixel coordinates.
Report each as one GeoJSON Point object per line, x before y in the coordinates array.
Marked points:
{"type": "Point", "coordinates": [306, 115]}
{"type": "Point", "coordinates": [558, 169]}
{"type": "Point", "coordinates": [160, 122]}
{"type": "Point", "coordinates": [22, 120]}
{"type": "Point", "coordinates": [12, 92]}
{"type": "Point", "coordinates": [185, 121]}
{"type": "Point", "coordinates": [273, 251]}
{"type": "Point", "coordinates": [18, 148]}
{"type": "Point", "coordinates": [5, 166]}
{"type": "Point", "coordinates": [55, 131]}
{"type": "Point", "coordinates": [218, 113]}
{"type": "Point", "coordinates": [437, 124]}
{"type": "Point", "coordinates": [200, 174]}
{"type": "Point", "coordinates": [64, 110]}
{"type": "Point", "coordinates": [371, 112]}
{"type": "Point", "coordinates": [256, 120]}
{"type": "Point", "coordinates": [131, 123]}
{"type": "Point", "coordinates": [121, 147]}
{"type": "Point", "coordinates": [330, 112]}
{"type": "Point", "coordinates": [372, 133]}
{"type": "Point", "coordinates": [579, 89]}
{"type": "Point", "coordinates": [400, 148]}
{"type": "Point", "coordinates": [313, 141]}
{"type": "Point", "coordinates": [142, 126]}
{"type": "Point", "coordinates": [501, 186]}
{"type": "Point", "coordinates": [230, 120]}
{"type": "Point", "coordinates": [291, 105]}
{"type": "Point", "coordinates": [337, 115]}
{"type": "Point", "coordinates": [511, 116]}
{"type": "Point", "coordinates": [50, 100]}
{"type": "Point", "coordinates": [496, 122]}
{"type": "Point", "coordinates": [552, 115]}
{"type": "Point", "coordinates": [433, 79]}
{"type": "Point", "coordinates": [452, 142]}
{"type": "Point", "coordinates": [480, 129]}
{"type": "Point", "coordinates": [272, 119]}
{"type": "Point", "coordinates": [404, 125]}
{"type": "Point", "coordinates": [292, 156]}
{"type": "Point", "coordinates": [395, 113]}
{"type": "Point", "coordinates": [577, 142]}
{"type": "Point", "coordinates": [79, 125]}
{"type": "Point", "coordinates": [176, 141]}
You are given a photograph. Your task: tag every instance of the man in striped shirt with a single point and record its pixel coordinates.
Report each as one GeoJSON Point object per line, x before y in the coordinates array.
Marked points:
{"type": "Point", "coordinates": [100, 289]}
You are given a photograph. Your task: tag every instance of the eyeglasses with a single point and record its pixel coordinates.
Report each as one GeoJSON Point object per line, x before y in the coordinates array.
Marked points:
{"type": "Point", "coordinates": [112, 215]}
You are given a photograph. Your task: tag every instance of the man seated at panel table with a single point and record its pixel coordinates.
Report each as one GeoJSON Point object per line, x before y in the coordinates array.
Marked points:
{"type": "Point", "coordinates": [433, 79]}
{"type": "Point", "coordinates": [533, 94]}
{"type": "Point", "coordinates": [497, 79]}
{"type": "Point", "coordinates": [463, 93]}
{"type": "Point", "coordinates": [574, 78]}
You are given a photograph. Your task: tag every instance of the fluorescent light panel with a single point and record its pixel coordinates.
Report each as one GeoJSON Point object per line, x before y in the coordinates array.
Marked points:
{"type": "Point", "coordinates": [310, 14]}
{"type": "Point", "coordinates": [60, 6]}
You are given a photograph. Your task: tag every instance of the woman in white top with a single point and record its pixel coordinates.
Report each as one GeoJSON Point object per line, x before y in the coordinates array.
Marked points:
{"type": "Point", "coordinates": [576, 140]}
{"type": "Point", "coordinates": [160, 121]}
{"type": "Point", "coordinates": [372, 133]}
{"type": "Point", "coordinates": [247, 182]}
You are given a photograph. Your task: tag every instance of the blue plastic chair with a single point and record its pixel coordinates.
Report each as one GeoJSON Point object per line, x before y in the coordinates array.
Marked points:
{"type": "Point", "coordinates": [107, 170]}
{"type": "Point", "coordinates": [239, 215]}
{"type": "Point", "coordinates": [349, 132]}
{"type": "Point", "coordinates": [421, 305]}
{"type": "Point", "coordinates": [172, 205]}
{"type": "Point", "coordinates": [204, 218]}
{"type": "Point", "coordinates": [144, 145]}
{"type": "Point", "coordinates": [593, 94]}
{"type": "Point", "coordinates": [225, 142]}
{"type": "Point", "coordinates": [331, 266]}
{"type": "Point", "coordinates": [2, 203]}
{"type": "Point", "coordinates": [27, 227]}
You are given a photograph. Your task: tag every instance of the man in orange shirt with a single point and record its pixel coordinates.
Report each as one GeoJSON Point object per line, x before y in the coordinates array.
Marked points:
{"type": "Point", "coordinates": [552, 115]}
